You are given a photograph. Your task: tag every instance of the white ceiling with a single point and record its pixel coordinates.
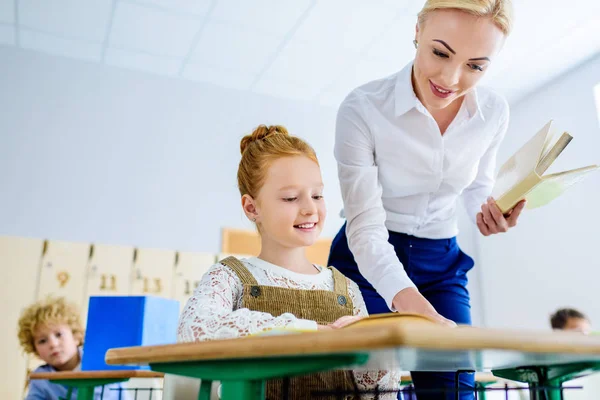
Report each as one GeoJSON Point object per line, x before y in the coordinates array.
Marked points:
{"type": "Point", "coordinates": [296, 49]}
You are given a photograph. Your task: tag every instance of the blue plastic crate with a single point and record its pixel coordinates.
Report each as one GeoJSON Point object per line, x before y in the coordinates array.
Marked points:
{"type": "Point", "coordinates": [124, 321]}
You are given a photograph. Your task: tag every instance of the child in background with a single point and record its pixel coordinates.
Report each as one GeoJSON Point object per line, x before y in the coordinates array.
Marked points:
{"type": "Point", "coordinates": [569, 319]}
{"type": "Point", "coordinates": [280, 182]}
{"type": "Point", "coordinates": [52, 330]}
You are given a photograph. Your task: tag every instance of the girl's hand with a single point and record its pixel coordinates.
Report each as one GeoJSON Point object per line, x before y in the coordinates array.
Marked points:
{"type": "Point", "coordinates": [340, 323]}
{"type": "Point", "coordinates": [345, 321]}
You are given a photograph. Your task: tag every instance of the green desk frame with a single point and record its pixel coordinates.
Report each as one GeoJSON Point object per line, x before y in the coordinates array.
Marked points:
{"type": "Point", "coordinates": [245, 378]}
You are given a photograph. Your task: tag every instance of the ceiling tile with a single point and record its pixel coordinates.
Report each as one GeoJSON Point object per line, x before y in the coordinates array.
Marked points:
{"type": "Point", "coordinates": [7, 34]}
{"type": "Point", "coordinates": [368, 70]}
{"type": "Point", "coordinates": [142, 62]}
{"type": "Point", "coordinates": [234, 48]}
{"type": "Point", "coordinates": [409, 7]}
{"type": "Point", "coordinates": [333, 97]}
{"type": "Point", "coordinates": [286, 89]}
{"type": "Point", "coordinates": [365, 71]}
{"type": "Point", "coordinates": [141, 28]}
{"type": "Point", "coordinates": [396, 42]}
{"type": "Point", "coordinates": [309, 64]}
{"type": "Point", "coordinates": [275, 17]}
{"type": "Point", "coordinates": [193, 7]}
{"type": "Point", "coordinates": [345, 24]}
{"type": "Point", "coordinates": [7, 11]}
{"type": "Point", "coordinates": [60, 46]}
{"type": "Point", "coordinates": [233, 79]}
{"type": "Point", "coordinates": [524, 65]}
{"type": "Point", "coordinates": [517, 79]}
{"type": "Point", "coordinates": [87, 20]}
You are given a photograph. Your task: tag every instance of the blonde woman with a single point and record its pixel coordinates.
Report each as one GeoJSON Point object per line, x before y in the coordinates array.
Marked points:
{"type": "Point", "coordinates": [408, 146]}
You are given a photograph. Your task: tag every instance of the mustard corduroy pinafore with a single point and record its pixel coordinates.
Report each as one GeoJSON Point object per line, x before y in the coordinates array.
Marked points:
{"type": "Point", "coordinates": [322, 306]}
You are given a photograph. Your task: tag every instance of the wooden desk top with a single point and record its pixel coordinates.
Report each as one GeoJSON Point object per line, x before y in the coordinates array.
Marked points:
{"type": "Point", "coordinates": [95, 375]}
{"type": "Point", "coordinates": [405, 343]}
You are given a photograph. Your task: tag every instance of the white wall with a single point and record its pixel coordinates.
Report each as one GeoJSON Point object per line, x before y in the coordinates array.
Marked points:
{"type": "Point", "coordinates": [93, 153]}
{"type": "Point", "coordinates": [102, 154]}
{"type": "Point", "coordinates": [550, 259]}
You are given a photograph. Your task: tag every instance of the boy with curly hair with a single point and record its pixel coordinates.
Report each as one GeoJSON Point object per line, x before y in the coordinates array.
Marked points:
{"type": "Point", "coordinates": [52, 330]}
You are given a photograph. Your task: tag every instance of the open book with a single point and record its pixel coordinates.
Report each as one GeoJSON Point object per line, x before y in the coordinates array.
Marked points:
{"type": "Point", "coordinates": [522, 176]}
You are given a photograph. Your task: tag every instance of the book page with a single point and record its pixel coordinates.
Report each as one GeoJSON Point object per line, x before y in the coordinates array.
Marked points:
{"type": "Point", "coordinates": [554, 185]}
{"type": "Point", "coordinates": [522, 163]}
{"type": "Point", "coordinates": [553, 153]}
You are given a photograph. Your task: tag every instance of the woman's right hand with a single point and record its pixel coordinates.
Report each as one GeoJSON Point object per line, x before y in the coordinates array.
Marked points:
{"type": "Point", "coordinates": [410, 300]}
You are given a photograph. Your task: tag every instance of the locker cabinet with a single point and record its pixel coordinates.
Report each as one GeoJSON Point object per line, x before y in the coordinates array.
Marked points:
{"type": "Point", "coordinates": [64, 272]}
{"type": "Point", "coordinates": [109, 270]}
{"type": "Point", "coordinates": [153, 272]}
{"type": "Point", "coordinates": [20, 262]}
{"type": "Point", "coordinates": [188, 271]}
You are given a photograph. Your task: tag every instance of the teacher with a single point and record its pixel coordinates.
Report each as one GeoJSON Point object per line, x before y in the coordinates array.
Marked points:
{"type": "Point", "coordinates": [407, 147]}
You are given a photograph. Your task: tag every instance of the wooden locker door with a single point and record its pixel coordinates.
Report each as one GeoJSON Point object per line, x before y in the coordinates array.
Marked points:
{"type": "Point", "coordinates": [63, 272]}
{"type": "Point", "coordinates": [153, 272]}
{"type": "Point", "coordinates": [239, 241]}
{"type": "Point", "coordinates": [109, 270]}
{"type": "Point", "coordinates": [188, 271]}
{"type": "Point", "coordinates": [318, 253]}
{"type": "Point", "coordinates": [20, 260]}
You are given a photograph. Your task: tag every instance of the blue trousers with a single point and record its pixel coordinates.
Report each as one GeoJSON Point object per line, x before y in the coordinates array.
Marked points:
{"type": "Point", "coordinates": [439, 269]}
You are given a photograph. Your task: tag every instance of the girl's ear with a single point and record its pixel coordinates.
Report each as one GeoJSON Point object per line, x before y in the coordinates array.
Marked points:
{"type": "Point", "coordinates": [249, 207]}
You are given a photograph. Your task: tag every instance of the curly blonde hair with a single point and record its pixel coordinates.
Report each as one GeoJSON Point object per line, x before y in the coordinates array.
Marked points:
{"type": "Point", "coordinates": [51, 310]}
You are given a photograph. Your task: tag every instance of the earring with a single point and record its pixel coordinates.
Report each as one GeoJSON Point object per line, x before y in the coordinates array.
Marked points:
{"type": "Point", "coordinates": [416, 43]}
{"type": "Point", "coordinates": [254, 219]}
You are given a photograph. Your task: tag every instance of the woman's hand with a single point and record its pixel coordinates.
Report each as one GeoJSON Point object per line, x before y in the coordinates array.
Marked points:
{"type": "Point", "coordinates": [410, 300]}
{"type": "Point", "coordinates": [491, 221]}
{"type": "Point", "coordinates": [340, 322]}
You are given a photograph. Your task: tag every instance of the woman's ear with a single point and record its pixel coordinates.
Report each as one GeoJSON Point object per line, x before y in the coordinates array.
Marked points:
{"type": "Point", "coordinates": [249, 207]}
{"type": "Point", "coordinates": [417, 32]}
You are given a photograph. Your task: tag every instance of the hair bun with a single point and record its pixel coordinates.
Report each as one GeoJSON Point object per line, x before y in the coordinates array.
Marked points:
{"type": "Point", "coordinates": [260, 133]}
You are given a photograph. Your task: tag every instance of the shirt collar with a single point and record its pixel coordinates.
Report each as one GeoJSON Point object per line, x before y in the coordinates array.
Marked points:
{"type": "Point", "coordinates": [406, 98]}
{"type": "Point", "coordinates": [473, 105]}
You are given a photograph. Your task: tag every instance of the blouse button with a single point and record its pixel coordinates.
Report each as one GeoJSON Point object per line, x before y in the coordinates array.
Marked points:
{"type": "Point", "coordinates": [255, 291]}
{"type": "Point", "coordinates": [342, 300]}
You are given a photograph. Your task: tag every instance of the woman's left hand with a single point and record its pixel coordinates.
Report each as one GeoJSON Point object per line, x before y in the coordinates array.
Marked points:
{"type": "Point", "coordinates": [491, 221]}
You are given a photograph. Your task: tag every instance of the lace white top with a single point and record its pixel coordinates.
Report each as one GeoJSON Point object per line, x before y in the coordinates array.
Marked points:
{"type": "Point", "coordinates": [214, 311]}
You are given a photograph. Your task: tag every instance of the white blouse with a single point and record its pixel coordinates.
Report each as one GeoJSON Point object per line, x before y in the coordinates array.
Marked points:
{"type": "Point", "coordinates": [214, 310]}
{"type": "Point", "coordinates": [398, 172]}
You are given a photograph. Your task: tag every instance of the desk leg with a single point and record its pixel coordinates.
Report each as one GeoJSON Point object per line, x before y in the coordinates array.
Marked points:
{"type": "Point", "coordinates": [552, 376]}
{"type": "Point", "coordinates": [85, 387]}
{"type": "Point", "coordinates": [85, 393]}
{"type": "Point", "coordinates": [205, 388]}
{"type": "Point", "coordinates": [555, 394]}
{"type": "Point", "coordinates": [248, 390]}
{"type": "Point", "coordinates": [480, 391]}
